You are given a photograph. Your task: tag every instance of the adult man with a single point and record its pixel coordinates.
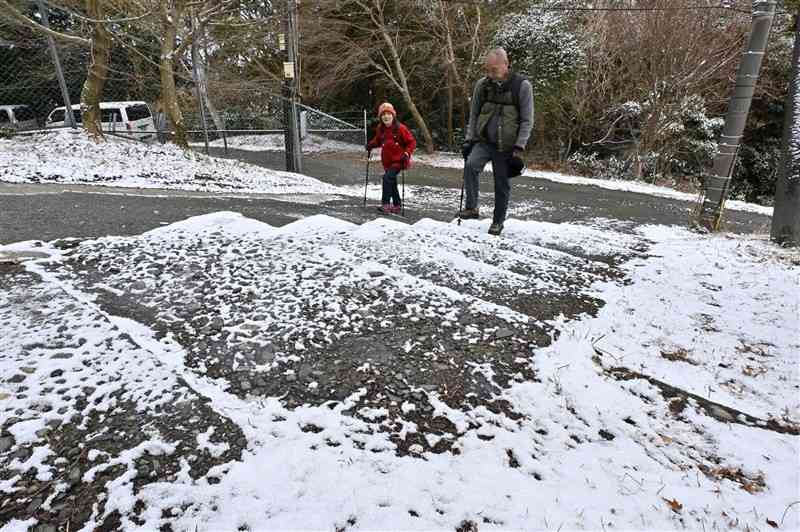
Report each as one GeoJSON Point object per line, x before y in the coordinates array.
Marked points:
{"type": "Point", "coordinates": [500, 122]}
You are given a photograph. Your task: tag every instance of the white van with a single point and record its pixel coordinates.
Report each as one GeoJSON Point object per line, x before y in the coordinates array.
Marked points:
{"type": "Point", "coordinates": [18, 117]}
{"type": "Point", "coordinates": [124, 118]}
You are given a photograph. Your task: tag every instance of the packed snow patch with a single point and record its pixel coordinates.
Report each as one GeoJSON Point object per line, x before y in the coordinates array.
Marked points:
{"type": "Point", "coordinates": [66, 156]}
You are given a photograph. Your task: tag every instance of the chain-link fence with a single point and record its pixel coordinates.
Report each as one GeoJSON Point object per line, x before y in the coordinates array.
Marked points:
{"type": "Point", "coordinates": [239, 110]}
{"type": "Point", "coordinates": [29, 87]}
{"type": "Point", "coordinates": [252, 117]}
{"type": "Point", "coordinates": [41, 79]}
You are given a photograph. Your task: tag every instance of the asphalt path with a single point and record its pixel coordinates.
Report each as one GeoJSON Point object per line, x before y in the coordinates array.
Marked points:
{"type": "Point", "coordinates": [50, 211]}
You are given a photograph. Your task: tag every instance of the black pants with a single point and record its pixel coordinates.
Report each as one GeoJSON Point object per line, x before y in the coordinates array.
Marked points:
{"type": "Point", "coordinates": [390, 192]}
{"type": "Point", "coordinates": [481, 154]}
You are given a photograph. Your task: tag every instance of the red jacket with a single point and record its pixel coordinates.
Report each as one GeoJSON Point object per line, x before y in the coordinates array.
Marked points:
{"type": "Point", "coordinates": [394, 141]}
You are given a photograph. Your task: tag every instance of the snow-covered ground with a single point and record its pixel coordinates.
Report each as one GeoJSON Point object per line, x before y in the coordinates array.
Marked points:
{"type": "Point", "coordinates": [661, 393]}
{"type": "Point", "coordinates": [311, 144]}
{"type": "Point", "coordinates": [222, 374]}
{"type": "Point", "coordinates": [68, 157]}
{"type": "Point", "coordinates": [445, 160]}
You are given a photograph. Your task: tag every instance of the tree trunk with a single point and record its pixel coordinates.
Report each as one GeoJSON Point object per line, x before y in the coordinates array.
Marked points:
{"type": "Point", "coordinates": [402, 84]}
{"type": "Point", "coordinates": [169, 96]}
{"type": "Point", "coordinates": [449, 110]}
{"type": "Point", "coordinates": [786, 217]}
{"type": "Point", "coordinates": [92, 91]}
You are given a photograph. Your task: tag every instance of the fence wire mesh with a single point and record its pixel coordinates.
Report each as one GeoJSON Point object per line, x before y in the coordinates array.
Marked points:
{"type": "Point", "coordinates": [238, 108]}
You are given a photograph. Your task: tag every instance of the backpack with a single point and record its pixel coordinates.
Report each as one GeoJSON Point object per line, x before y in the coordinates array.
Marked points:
{"type": "Point", "coordinates": [515, 81]}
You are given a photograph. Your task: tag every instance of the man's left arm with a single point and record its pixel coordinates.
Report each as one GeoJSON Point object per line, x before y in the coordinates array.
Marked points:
{"type": "Point", "coordinates": [525, 115]}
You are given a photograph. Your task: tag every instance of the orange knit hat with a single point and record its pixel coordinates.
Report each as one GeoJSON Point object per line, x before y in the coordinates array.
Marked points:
{"type": "Point", "coordinates": [386, 108]}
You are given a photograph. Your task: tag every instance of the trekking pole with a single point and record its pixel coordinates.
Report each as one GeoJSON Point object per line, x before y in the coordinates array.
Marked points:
{"type": "Point", "coordinates": [461, 201]}
{"type": "Point", "coordinates": [366, 180]}
{"type": "Point", "coordinates": [403, 195]}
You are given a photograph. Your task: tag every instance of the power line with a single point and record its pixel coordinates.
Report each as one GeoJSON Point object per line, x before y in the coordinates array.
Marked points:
{"type": "Point", "coordinates": [721, 7]}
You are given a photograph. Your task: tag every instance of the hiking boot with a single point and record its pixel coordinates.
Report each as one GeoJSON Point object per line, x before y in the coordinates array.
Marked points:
{"type": "Point", "coordinates": [386, 208]}
{"type": "Point", "coordinates": [469, 214]}
{"type": "Point", "coordinates": [495, 229]}
{"type": "Point", "coordinates": [395, 209]}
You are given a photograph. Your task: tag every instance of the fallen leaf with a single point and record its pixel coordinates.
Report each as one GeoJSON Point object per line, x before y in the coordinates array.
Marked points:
{"type": "Point", "coordinates": [674, 505]}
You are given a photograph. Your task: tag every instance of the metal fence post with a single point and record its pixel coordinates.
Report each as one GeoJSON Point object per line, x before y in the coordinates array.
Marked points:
{"type": "Point", "coordinates": [57, 62]}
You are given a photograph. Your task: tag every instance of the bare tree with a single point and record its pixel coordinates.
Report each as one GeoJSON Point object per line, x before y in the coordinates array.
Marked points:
{"type": "Point", "coordinates": [460, 35]}
{"type": "Point", "coordinates": [98, 69]}
{"type": "Point", "coordinates": [353, 40]}
{"type": "Point", "coordinates": [660, 60]}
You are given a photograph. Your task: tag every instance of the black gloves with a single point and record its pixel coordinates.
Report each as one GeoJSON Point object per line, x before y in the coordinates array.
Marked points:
{"type": "Point", "coordinates": [466, 148]}
{"type": "Point", "coordinates": [515, 164]}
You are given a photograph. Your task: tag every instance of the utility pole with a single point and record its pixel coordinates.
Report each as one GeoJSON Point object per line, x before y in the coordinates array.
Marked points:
{"type": "Point", "coordinates": [70, 118]}
{"type": "Point", "coordinates": [717, 184]}
{"type": "Point", "coordinates": [786, 217]}
{"type": "Point", "coordinates": [289, 41]}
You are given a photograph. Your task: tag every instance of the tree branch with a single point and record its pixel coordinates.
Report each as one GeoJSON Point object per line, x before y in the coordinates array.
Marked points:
{"type": "Point", "coordinates": [32, 24]}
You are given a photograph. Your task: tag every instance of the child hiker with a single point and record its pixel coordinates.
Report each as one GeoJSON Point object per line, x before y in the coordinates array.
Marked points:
{"type": "Point", "coordinates": [397, 145]}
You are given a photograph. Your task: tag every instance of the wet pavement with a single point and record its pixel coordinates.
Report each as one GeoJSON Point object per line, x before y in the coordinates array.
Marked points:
{"type": "Point", "coordinates": [49, 211]}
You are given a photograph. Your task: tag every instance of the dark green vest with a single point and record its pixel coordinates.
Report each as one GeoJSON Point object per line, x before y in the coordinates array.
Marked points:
{"type": "Point", "coordinates": [503, 101]}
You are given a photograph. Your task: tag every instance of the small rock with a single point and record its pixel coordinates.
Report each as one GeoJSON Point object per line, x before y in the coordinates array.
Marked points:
{"type": "Point", "coordinates": [305, 371]}
{"type": "Point", "coordinates": [34, 505]}
{"type": "Point", "coordinates": [57, 373]}
{"type": "Point", "coordinates": [375, 274]}
{"type": "Point", "coordinates": [503, 333]}
{"type": "Point", "coordinates": [245, 385]}
{"type": "Point", "coordinates": [139, 286]}
{"type": "Point", "coordinates": [75, 475]}
{"type": "Point", "coordinates": [22, 454]}
{"type": "Point", "coordinates": [6, 442]}
{"type": "Point", "coordinates": [16, 379]}
{"type": "Point", "coordinates": [265, 355]}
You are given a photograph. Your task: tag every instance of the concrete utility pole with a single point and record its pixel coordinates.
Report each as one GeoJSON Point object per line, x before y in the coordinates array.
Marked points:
{"type": "Point", "coordinates": [70, 118]}
{"type": "Point", "coordinates": [294, 156]}
{"type": "Point", "coordinates": [718, 182]}
{"type": "Point", "coordinates": [786, 217]}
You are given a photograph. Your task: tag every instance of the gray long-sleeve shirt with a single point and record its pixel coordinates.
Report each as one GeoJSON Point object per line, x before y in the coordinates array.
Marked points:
{"type": "Point", "coordinates": [525, 114]}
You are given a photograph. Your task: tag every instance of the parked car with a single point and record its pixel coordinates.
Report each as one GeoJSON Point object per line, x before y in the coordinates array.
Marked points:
{"type": "Point", "coordinates": [126, 118]}
{"type": "Point", "coordinates": [17, 117]}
